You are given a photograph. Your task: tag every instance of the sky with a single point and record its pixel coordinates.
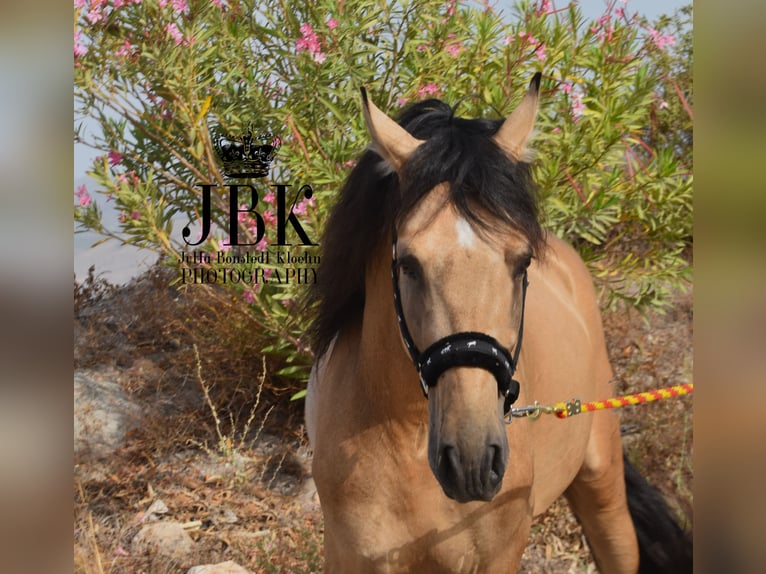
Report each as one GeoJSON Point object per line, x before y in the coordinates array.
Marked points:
{"type": "Point", "coordinates": [649, 8]}
{"type": "Point", "coordinates": [120, 263]}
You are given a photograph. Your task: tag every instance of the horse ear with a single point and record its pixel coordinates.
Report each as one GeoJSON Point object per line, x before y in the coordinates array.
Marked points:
{"type": "Point", "coordinates": [389, 139]}
{"type": "Point", "coordinates": [515, 131]}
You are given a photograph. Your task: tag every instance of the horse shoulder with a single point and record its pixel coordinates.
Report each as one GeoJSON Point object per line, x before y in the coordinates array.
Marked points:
{"type": "Point", "coordinates": [563, 357]}
{"type": "Point", "coordinates": [569, 282]}
{"type": "Point", "coordinates": [318, 373]}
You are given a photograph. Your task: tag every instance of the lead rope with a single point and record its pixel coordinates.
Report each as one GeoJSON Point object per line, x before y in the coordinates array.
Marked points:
{"type": "Point", "coordinates": [576, 406]}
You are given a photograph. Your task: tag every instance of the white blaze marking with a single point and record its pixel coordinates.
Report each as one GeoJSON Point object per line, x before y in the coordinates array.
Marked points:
{"type": "Point", "coordinates": [465, 235]}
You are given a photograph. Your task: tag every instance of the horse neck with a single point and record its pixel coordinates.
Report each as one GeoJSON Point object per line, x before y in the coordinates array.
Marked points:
{"type": "Point", "coordinates": [387, 376]}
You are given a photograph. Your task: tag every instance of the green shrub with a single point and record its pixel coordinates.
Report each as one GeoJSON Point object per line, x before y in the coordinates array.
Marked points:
{"type": "Point", "coordinates": [154, 75]}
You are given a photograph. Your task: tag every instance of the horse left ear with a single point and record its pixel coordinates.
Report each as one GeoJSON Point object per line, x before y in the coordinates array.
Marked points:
{"type": "Point", "coordinates": [515, 131]}
{"type": "Point", "coordinates": [390, 140]}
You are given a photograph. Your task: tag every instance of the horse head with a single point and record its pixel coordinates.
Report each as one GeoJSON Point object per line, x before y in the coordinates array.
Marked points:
{"type": "Point", "coordinates": [465, 233]}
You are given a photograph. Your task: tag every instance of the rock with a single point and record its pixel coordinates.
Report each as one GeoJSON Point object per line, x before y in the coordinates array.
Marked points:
{"type": "Point", "coordinates": [166, 539]}
{"type": "Point", "coordinates": [308, 497]}
{"type": "Point", "coordinates": [221, 568]}
{"type": "Point", "coordinates": [103, 414]}
{"type": "Point", "coordinates": [154, 513]}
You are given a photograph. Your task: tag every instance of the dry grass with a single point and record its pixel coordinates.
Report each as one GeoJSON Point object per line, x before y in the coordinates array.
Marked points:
{"type": "Point", "coordinates": [196, 366]}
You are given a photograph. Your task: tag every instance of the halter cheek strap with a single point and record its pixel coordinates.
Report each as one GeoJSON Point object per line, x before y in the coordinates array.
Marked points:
{"type": "Point", "coordinates": [465, 349]}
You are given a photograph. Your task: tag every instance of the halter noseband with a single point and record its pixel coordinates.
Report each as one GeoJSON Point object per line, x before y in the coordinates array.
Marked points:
{"type": "Point", "coordinates": [464, 349]}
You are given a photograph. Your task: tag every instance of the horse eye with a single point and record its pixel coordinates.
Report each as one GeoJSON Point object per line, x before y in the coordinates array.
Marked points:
{"type": "Point", "coordinates": [408, 270]}
{"type": "Point", "coordinates": [522, 265]}
{"type": "Point", "coordinates": [409, 267]}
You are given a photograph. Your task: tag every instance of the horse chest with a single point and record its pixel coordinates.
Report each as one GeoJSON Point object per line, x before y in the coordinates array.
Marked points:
{"type": "Point", "coordinates": [385, 512]}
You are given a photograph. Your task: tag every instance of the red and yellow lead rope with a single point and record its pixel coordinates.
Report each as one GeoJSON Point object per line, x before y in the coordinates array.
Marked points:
{"type": "Point", "coordinates": [564, 410]}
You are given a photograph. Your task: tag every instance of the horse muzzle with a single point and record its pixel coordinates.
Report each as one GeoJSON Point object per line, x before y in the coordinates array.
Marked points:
{"type": "Point", "coordinates": [469, 476]}
{"type": "Point", "coordinates": [467, 442]}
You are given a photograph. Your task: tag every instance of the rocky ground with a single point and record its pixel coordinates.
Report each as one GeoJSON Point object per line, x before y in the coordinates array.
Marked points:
{"type": "Point", "coordinates": [191, 458]}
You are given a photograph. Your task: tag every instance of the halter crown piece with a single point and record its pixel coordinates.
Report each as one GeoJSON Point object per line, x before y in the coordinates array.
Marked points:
{"type": "Point", "coordinates": [464, 349]}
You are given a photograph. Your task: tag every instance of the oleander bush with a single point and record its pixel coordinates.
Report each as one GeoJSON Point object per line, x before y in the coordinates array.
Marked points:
{"type": "Point", "coordinates": [614, 134]}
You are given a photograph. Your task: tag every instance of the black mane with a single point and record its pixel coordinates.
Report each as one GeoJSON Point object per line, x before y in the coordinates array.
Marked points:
{"type": "Point", "coordinates": [456, 150]}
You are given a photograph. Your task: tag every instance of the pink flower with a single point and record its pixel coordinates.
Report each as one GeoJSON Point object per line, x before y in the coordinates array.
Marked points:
{"type": "Point", "coordinates": [332, 23]}
{"type": "Point", "coordinates": [135, 215]}
{"type": "Point", "coordinates": [578, 107]}
{"type": "Point", "coordinates": [309, 42]}
{"type": "Point", "coordinates": [540, 52]}
{"type": "Point", "coordinates": [180, 5]}
{"type": "Point", "coordinates": [79, 49]}
{"type": "Point", "coordinates": [218, 3]}
{"type": "Point", "coordinates": [270, 198]}
{"type": "Point", "coordinates": [428, 90]}
{"type": "Point", "coordinates": [508, 40]}
{"type": "Point", "coordinates": [125, 49]}
{"type": "Point", "coordinates": [114, 158]}
{"type": "Point", "coordinates": [173, 31]}
{"type": "Point", "coordinates": [303, 206]}
{"type": "Point", "coordinates": [661, 40]}
{"type": "Point", "coordinates": [248, 296]}
{"type": "Point", "coordinates": [223, 246]}
{"type": "Point", "coordinates": [269, 217]}
{"type": "Point", "coordinates": [79, 4]}
{"type": "Point", "coordinates": [243, 215]}
{"type": "Point", "coordinates": [546, 8]}
{"type": "Point", "coordinates": [454, 49]}
{"type": "Point", "coordinates": [401, 102]}
{"type": "Point", "coordinates": [83, 197]}
{"type": "Point", "coordinates": [262, 245]}
{"type": "Point", "coordinates": [566, 88]}
{"type": "Point", "coordinates": [94, 15]}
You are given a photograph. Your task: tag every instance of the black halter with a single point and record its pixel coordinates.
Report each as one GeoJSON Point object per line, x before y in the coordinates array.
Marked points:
{"type": "Point", "coordinates": [465, 349]}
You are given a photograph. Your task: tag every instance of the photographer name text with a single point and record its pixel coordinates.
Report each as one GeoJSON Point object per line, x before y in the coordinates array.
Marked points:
{"type": "Point", "coordinates": [250, 268]}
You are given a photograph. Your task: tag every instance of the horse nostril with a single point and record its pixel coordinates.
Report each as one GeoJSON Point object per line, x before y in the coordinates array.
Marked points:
{"type": "Point", "coordinates": [497, 466]}
{"type": "Point", "coordinates": [465, 480]}
{"type": "Point", "coordinates": [448, 469]}
{"type": "Point", "coordinates": [450, 459]}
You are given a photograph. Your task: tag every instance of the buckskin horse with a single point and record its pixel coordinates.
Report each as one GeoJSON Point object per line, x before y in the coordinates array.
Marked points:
{"type": "Point", "coordinates": [435, 267]}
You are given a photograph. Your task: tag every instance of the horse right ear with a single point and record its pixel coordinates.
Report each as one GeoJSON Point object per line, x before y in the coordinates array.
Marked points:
{"type": "Point", "coordinates": [517, 129]}
{"type": "Point", "coordinates": [389, 139]}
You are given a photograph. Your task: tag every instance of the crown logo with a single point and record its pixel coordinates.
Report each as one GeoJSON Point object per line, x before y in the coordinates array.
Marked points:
{"type": "Point", "coordinates": [243, 156]}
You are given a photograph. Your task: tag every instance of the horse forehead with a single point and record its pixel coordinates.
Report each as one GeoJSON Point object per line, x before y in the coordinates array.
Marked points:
{"type": "Point", "coordinates": [426, 212]}
{"type": "Point", "coordinates": [435, 224]}
{"type": "Point", "coordinates": [466, 237]}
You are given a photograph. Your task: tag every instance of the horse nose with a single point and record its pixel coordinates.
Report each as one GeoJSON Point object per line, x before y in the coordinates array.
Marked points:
{"type": "Point", "coordinates": [465, 477]}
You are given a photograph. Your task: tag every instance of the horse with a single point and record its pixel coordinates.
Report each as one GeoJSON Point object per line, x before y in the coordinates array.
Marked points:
{"type": "Point", "coordinates": [435, 268]}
